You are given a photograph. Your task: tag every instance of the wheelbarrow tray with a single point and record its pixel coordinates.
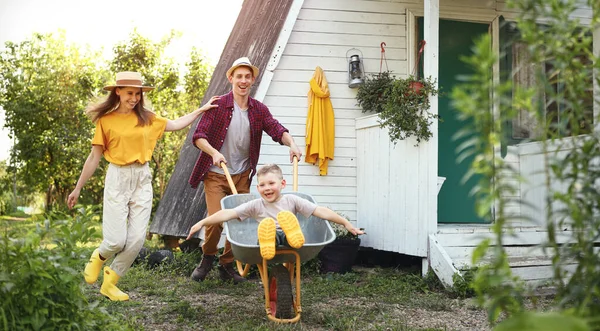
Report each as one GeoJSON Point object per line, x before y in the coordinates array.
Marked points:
{"type": "Point", "coordinates": [244, 238]}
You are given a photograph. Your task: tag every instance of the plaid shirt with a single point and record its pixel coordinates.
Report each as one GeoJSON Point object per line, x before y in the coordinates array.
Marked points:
{"type": "Point", "coordinates": [213, 127]}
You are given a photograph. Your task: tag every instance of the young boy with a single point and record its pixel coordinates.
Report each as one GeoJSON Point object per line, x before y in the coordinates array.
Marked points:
{"type": "Point", "coordinates": [277, 212]}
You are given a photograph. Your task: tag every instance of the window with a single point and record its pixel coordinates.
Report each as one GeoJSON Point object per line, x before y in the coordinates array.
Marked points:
{"type": "Point", "coordinates": [517, 65]}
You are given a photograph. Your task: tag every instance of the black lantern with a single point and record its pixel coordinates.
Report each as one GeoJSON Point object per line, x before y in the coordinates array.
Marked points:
{"type": "Point", "coordinates": [355, 68]}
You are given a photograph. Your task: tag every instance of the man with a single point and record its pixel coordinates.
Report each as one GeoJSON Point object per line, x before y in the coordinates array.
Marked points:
{"type": "Point", "coordinates": [231, 133]}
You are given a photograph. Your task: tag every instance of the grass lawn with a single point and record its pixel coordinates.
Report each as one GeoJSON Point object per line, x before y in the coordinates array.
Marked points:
{"type": "Point", "coordinates": [369, 298]}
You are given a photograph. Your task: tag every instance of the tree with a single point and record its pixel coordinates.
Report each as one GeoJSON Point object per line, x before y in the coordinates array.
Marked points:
{"type": "Point", "coordinates": [7, 198]}
{"type": "Point", "coordinates": [44, 86]}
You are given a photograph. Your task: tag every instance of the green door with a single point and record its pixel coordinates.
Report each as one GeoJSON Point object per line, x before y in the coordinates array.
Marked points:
{"type": "Point", "coordinates": [455, 205]}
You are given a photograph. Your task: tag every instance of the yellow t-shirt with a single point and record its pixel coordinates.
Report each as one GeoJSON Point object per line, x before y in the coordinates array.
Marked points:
{"type": "Point", "coordinates": [123, 141]}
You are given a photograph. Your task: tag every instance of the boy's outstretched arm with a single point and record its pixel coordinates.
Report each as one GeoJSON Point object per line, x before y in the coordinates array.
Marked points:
{"type": "Point", "coordinates": [219, 217]}
{"type": "Point", "coordinates": [328, 214]}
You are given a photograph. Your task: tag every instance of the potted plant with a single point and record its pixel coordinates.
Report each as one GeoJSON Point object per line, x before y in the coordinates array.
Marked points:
{"type": "Point", "coordinates": [339, 255]}
{"type": "Point", "coordinates": [402, 104]}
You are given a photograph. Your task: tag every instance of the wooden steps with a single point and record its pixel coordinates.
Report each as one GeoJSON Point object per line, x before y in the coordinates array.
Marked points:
{"type": "Point", "coordinates": [528, 258]}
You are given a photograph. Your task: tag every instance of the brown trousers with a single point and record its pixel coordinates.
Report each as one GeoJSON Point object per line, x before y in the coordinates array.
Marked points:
{"type": "Point", "coordinates": [216, 188]}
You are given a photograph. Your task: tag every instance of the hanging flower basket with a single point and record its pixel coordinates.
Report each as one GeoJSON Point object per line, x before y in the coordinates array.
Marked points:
{"type": "Point", "coordinates": [402, 104]}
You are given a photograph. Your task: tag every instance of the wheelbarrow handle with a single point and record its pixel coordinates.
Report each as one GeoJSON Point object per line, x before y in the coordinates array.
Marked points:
{"type": "Point", "coordinates": [295, 173]}
{"type": "Point", "coordinates": [229, 180]}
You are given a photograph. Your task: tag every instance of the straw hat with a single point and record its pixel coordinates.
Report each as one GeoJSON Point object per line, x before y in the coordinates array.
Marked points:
{"type": "Point", "coordinates": [242, 62]}
{"type": "Point", "coordinates": [128, 79]}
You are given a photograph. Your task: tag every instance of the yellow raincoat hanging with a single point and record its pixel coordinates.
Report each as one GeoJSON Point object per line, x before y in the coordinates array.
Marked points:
{"type": "Point", "coordinates": [320, 123]}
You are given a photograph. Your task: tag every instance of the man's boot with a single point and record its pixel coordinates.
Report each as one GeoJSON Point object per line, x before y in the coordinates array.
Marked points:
{"type": "Point", "coordinates": [203, 268]}
{"type": "Point", "coordinates": [227, 272]}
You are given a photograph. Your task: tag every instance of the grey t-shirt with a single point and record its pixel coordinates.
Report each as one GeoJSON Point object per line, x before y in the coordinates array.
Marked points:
{"type": "Point", "coordinates": [236, 146]}
{"type": "Point", "coordinates": [260, 209]}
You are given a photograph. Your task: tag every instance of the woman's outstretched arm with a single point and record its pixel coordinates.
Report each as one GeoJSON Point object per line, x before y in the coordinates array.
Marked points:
{"type": "Point", "coordinates": [185, 120]}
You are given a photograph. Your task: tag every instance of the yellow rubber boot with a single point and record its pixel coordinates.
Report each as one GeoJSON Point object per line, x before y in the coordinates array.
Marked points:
{"type": "Point", "coordinates": [93, 268]}
{"type": "Point", "coordinates": [266, 238]}
{"type": "Point", "coordinates": [109, 286]}
{"type": "Point", "coordinates": [290, 226]}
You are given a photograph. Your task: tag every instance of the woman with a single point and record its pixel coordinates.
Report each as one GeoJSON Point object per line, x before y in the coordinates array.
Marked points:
{"type": "Point", "coordinates": [126, 134]}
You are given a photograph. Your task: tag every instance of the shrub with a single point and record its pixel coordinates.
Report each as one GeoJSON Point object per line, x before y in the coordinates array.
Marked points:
{"type": "Point", "coordinates": [40, 277]}
{"type": "Point", "coordinates": [7, 204]}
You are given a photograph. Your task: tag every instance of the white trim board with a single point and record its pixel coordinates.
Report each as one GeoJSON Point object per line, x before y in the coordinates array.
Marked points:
{"type": "Point", "coordinates": [282, 40]}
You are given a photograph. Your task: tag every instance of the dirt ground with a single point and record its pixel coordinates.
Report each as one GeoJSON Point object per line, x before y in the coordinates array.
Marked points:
{"type": "Point", "coordinates": [153, 312]}
{"type": "Point", "coordinates": [166, 301]}
{"type": "Point", "coordinates": [461, 316]}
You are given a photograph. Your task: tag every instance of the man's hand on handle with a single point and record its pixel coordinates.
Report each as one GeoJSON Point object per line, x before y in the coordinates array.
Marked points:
{"type": "Point", "coordinates": [295, 151]}
{"type": "Point", "coordinates": [217, 159]}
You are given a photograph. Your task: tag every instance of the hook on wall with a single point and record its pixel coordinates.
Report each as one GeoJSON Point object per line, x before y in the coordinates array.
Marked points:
{"type": "Point", "coordinates": [383, 57]}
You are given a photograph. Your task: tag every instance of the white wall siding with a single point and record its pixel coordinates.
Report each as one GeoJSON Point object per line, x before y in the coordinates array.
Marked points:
{"type": "Point", "coordinates": [513, 207]}
{"type": "Point", "coordinates": [385, 188]}
{"type": "Point", "coordinates": [324, 31]}
{"type": "Point", "coordinates": [391, 205]}
{"type": "Point", "coordinates": [533, 189]}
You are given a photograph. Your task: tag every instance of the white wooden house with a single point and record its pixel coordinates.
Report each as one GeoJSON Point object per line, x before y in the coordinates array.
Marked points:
{"type": "Point", "coordinates": [392, 190]}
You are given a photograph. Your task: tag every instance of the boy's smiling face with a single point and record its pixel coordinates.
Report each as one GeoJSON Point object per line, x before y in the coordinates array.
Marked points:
{"type": "Point", "coordinates": [269, 186]}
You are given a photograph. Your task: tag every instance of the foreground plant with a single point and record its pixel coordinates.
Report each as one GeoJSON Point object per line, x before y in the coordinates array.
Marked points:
{"type": "Point", "coordinates": [560, 52]}
{"type": "Point", "coordinates": [496, 287]}
{"type": "Point", "coordinates": [40, 277]}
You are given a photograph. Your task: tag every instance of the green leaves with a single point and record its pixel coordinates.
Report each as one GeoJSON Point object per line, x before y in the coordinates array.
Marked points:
{"type": "Point", "coordinates": [45, 85]}
{"type": "Point", "coordinates": [543, 322]}
{"type": "Point", "coordinates": [569, 166]}
{"type": "Point", "coordinates": [372, 94]}
{"type": "Point", "coordinates": [497, 289]}
{"type": "Point", "coordinates": [402, 104]}
{"type": "Point", "coordinates": [40, 277]}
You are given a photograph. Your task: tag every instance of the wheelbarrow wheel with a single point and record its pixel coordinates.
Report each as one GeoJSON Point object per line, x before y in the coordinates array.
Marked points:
{"type": "Point", "coordinates": [280, 292]}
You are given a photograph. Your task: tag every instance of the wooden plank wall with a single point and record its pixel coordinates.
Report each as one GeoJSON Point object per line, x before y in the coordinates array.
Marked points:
{"type": "Point", "coordinates": [324, 31]}
{"type": "Point", "coordinates": [527, 257]}
{"type": "Point", "coordinates": [392, 190]}
{"type": "Point", "coordinates": [513, 207]}
{"type": "Point", "coordinates": [533, 189]}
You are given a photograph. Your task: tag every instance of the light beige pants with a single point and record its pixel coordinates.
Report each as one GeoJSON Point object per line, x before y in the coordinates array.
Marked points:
{"type": "Point", "coordinates": [126, 213]}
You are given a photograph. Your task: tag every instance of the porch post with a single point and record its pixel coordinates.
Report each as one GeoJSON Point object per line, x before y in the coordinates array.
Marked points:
{"type": "Point", "coordinates": [431, 17]}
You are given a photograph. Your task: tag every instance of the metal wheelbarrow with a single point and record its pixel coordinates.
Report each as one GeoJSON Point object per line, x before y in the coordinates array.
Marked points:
{"type": "Point", "coordinates": [281, 304]}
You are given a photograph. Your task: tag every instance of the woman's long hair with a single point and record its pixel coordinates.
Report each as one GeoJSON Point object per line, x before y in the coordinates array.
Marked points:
{"type": "Point", "coordinates": [111, 103]}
